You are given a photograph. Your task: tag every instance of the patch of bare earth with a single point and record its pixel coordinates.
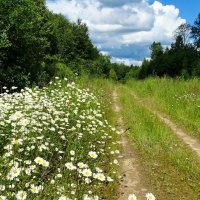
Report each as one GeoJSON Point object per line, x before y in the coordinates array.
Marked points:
{"type": "Point", "coordinates": [131, 179]}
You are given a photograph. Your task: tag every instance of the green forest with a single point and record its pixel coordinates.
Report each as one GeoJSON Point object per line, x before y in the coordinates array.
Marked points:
{"type": "Point", "coordinates": [36, 45]}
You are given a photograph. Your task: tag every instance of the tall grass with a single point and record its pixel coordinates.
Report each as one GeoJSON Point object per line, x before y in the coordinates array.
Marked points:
{"type": "Point", "coordinates": [169, 166]}
{"type": "Point", "coordinates": [179, 99]}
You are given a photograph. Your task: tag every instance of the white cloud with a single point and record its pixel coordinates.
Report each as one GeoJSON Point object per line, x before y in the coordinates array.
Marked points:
{"type": "Point", "coordinates": [126, 18]}
{"type": "Point", "coordinates": [105, 53]}
{"type": "Point", "coordinates": [166, 21]}
{"type": "Point", "coordinates": [126, 61]}
{"type": "Point", "coordinates": [115, 24]}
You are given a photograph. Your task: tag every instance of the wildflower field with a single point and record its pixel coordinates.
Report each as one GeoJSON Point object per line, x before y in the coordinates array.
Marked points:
{"type": "Point", "coordinates": [55, 143]}
{"type": "Point", "coordinates": [59, 142]}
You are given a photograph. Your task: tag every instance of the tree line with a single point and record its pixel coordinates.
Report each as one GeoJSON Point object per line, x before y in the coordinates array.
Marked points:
{"type": "Point", "coordinates": [36, 45]}
{"type": "Point", "coordinates": [181, 59]}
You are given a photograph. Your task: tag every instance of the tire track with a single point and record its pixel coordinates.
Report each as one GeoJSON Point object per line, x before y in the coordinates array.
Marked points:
{"type": "Point", "coordinates": [190, 141]}
{"type": "Point", "coordinates": [131, 180]}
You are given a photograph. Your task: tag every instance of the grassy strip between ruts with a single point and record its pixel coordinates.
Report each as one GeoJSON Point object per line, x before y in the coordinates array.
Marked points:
{"type": "Point", "coordinates": [179, 99]}
{"type": "Point", "coordinates": [172, 169]}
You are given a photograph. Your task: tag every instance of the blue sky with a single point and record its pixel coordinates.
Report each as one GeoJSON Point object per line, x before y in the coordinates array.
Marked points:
{"type": "Point", "coordinates": [124, 29]}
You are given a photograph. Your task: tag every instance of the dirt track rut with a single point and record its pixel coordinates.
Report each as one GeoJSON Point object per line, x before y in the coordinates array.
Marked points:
{"type": "Point", "coordinates": [192, 143]}
{"type": "Point", "coordinates": [131, 179]}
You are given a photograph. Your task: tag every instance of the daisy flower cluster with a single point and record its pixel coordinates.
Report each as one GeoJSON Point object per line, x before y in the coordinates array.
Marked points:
{"type": "Point", "coordinates": [55, 144]}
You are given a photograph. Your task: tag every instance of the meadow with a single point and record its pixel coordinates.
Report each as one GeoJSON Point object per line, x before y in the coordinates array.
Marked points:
{"type": "Point", "coordinates": [56, 144]}
{"type": "Point", "coordinates": [62, 142]}
{"type": "Point", "coordinates": [177, 98]}
{"type": "Point", "coordinates": [170, 168]}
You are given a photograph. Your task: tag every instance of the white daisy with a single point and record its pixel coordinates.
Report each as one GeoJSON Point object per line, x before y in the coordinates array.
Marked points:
{"type": "Point", "coordinates": [101, 177]}
{"type": "Point", "coordinates": [21, 195]}
{"type": "Point", "coordinates": [35, 189]}
{"type": "Point", "coordinates": [150, 196]}
{"type": "Point", "coordinates": [39, 160]}
{"type": "Point", "coordinates": [15, 171]}
{"type": "Point", "coordinates": [132, 197]}
{"type": "Point", "coordinates": [87, 172]}
{"type": "Point", "coordinates": [93, 154]}
{"type": "Point", "coordinates": [70, 166]}
{"type": "Point", "coordinates": [45, 163]}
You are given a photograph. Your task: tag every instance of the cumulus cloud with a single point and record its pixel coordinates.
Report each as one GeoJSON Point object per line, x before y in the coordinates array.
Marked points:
{"type": "Point", "coordinates": [135, 16]}
{"type": "Point", "coordinates": [118, 26]}
{"type": "Point", "coordinates": [166, 22]}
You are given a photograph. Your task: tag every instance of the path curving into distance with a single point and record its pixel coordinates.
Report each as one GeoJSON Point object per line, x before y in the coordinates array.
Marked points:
{"type": "Point", "coordinates": [190, 141]}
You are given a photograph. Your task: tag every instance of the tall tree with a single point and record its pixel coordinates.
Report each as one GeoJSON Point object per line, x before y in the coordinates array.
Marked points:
{"type": "Point", "coordinates": [183, 31]}
{"type": "Point", "coordinates": [156, 50]}
{"type": "Point", "coordinates": [24, 29]}
{"type": "Point", "coordinates": [195, 32]}
{"type": "Point", "coordinates": [178, 45]}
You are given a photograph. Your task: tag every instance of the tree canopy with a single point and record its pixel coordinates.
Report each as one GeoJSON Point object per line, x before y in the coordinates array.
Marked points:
{"type": "Point", "coordinates": [182, 58]}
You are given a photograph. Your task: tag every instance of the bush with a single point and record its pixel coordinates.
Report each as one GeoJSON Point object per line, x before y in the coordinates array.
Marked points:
{"type": "Point", "coordinates": [62, 71]}
{"type": "Point", "coordinates": [196, 69]}
{"type": "Point", "coordinates": [112, 75]}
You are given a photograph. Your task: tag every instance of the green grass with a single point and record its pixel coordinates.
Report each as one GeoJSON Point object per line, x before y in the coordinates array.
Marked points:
{"type": "Point", "coordinates": [170, 168]}
{"type": "Point", "coordinates": [85, 119]}
{"type": "Point", "coordinates": [179, 99]}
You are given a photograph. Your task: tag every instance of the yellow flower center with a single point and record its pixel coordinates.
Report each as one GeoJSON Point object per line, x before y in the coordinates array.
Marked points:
{"type": "Point", "coordinates": [15, 142]}
{"type": "Point", "coordinates": [14, 171]}
{"type": "Point", "coordinates": [21, 195]}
